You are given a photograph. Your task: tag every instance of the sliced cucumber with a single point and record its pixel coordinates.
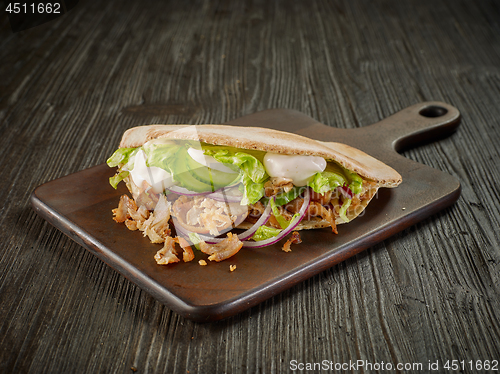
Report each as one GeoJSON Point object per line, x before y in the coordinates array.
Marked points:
{"type": "Point", "coordinates": [194, 176]}
{"type": "Point", "coordinates": [185, 178]}
{"type": "Point", "coordinates": [197, 170]}
{"type": "Point", "coordinates": [216, 178]}
{"type": "Point", "coordinates": [221, 179]}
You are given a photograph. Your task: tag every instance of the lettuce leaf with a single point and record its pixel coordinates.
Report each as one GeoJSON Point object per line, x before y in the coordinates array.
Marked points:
{"type": "Point", "coordinates": [252, 192]}
{"type": "Point", "coordinates": [120, 156]}
{"type": "Point", "coordinates": [355, 182]}
{"type": "Point", "coordinates": [284, 223]}
{"type": "Point", "coordinates": [249, 164]}
{"type": "Point", "coordinates": [161, 155]}
{"type": "Point", "coordinates": [326, 181]}
{"type": "Point", "coordinates": [251, 168]}
{"type": "Point", "coordinates": [265, 232]}
{"type": "Point", "coordinates": [195, 239]}
{"type": "Point", "coordinates": [336, 176]}
{"type": "Point", "coordinates": [343, 210]}
{"type": "Point", "coordinates": [117, 178]}
{"type": "Point", "coordinates": [284, 197]}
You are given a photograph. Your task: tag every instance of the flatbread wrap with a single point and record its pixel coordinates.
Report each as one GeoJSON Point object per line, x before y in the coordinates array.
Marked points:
{"type": "Point", "coordinates": [203, 181]}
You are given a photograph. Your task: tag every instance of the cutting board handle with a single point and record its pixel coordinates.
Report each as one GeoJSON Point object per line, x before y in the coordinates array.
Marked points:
{"type": "Point", "coordinates": [420, 123]}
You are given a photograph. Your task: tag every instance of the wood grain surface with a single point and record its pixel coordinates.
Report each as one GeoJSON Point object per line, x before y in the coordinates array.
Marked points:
{"type": "Point", "coordinates": [69, 88]}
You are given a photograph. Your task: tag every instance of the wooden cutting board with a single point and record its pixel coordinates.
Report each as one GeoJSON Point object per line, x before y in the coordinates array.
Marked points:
{"type": "Point", "coordinates": [80, 205]}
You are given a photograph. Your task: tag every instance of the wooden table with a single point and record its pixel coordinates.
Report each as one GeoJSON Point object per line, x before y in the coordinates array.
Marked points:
{"type": "Point", "coordinates": [70, 87]}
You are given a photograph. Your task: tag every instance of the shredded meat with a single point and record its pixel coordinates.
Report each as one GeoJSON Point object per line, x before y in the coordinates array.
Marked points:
{"type": "Point", "coordinates": [151, 213]}
{"type": "Point", "coordinates": [131, 225]}
{"type": "Point", "coordinates": [336, 204]}
{"type": "Point", "coordinates": [323, 207]}
{"type": "Point", "coordinates": [316, 209]}
{"type": "Point", "coordinates": [331, 220]}
{"type": "Point", "coordinates": [143, 195]}
{"type": "Point", "coordinates": [355, 201]}
{"type": "Point", "coordinates": [369, 189]}
{"type": "Point", "coordinates": [277, 185]}
{"type": "Point", "coordinates": [204, 215]}
{"type": "Point", "coordinates": [187, 254]}
{"type": "Point", "coordinates": [169, 253]}
{"type": "Point", "coordinates": [273, 222]}
{"type": "Point", "coordinates": [140, 215]}
{"type": "Point", "coordinates": [156, 227]}
{"type": "Point", "coordinates": [256, 210]}
{"type": "Point", "coordinates": [121, 214]}
{"type": "Point", "coordinates": [222, 250]}
{"type": "Point", "coordinates": [294, 205]}
{"type": "Point", "coordinates": [294, 239]}
{"type": "Point", "coordinates": [323, 199]}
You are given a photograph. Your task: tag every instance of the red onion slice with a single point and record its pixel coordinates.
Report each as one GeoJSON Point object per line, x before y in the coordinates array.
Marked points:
{"type": "Point", "coordinates": [260, 222]}
{"type": "Point", "coordinates": [185, 233]}
{"type": "Point", "coordinates": [219, 195]}
{"type": "Point", "coordinates": [184, 191]}
{"type": "Point", "coordinates": [182, 231]}
{"type": "Point", "coordinates": [285, 232]}
{"type": "Point", "coordinates": [224, 195]}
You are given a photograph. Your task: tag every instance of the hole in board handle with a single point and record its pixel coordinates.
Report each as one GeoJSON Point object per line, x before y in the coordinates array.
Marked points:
{"type": "Point", "coordinates": [433, 111]}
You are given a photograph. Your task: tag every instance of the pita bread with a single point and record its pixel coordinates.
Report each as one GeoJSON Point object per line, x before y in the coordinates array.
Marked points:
{"type": "Point", "coordinates": [268, 140]}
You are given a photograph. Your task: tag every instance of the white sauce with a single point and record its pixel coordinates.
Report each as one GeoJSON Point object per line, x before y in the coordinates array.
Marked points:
{"type": "Point", "coordinates": [298, 168]}
{"type": "Point", "coordinates": [156, 177]}
{"type": "Point", "coordinates": [201, 158]}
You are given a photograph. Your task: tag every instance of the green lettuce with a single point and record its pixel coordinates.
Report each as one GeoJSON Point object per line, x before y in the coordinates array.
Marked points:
{"type": "Point", "coordinates": [117, 178]}
{"type": "Point", "coordinates": [284, 223]}
{"type": "Point", "coordinates": [265, 232]}
{"type": "Point", "coordinates": [326, 181]}
{"type": "Point", "coordinates": [284, 197]}
{"type": "Point", "coordinates": [161, 155]}
{"type": "Point", "coordinates": [343, 210]}
{"type": "Point", "coordinates": [253, 172]}
{"type": "Point", "coordinates": [120, 157]}
{"type": "Point", "coordinates": [195, 239]}
{"type": "Point", "coordinates": [249, 164]}
{"type": "Point", "coordinates": [252, 192]}
{"type": "Point", "coordinates": [336, 176]}
{"type": "Point", "coordinates": [355, 182]}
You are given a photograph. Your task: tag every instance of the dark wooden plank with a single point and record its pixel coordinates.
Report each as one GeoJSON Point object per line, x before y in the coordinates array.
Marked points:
{"type": "Point", "coordinates": [69, 88]}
